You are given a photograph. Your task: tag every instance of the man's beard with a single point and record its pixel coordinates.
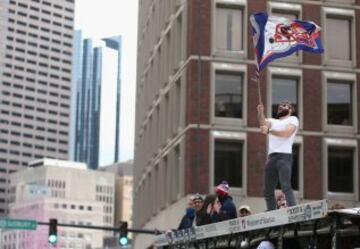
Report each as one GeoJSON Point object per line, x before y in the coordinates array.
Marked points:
{"type": "Point", "coordinates": [282, 113]}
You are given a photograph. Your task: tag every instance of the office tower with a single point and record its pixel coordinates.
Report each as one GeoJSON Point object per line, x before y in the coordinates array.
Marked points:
{"type": "Point", "coordinates": [35, 83]}
{"type": "Point", "coordinates": [66, 191]}
{"type": "Point", "coordinates": [96, 122]}
{"type": "Point", "coordinates": [196, 118]}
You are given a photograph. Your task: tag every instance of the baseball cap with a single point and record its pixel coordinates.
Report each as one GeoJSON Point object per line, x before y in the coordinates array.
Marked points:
{"type": "Point", "coordinates": [222, 188]}
{"type": "Point", "coordinates": [196, 197]}
{"type": "Point", "coordinates": [246, 207]}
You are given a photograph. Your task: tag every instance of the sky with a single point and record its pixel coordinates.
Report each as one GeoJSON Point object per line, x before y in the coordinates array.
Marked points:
{"type": "Point", "coordinates": [98, 19]}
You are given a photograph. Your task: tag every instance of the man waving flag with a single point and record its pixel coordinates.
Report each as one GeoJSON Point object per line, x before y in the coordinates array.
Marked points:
{"type": "Point", "coordinates": [275, 37]}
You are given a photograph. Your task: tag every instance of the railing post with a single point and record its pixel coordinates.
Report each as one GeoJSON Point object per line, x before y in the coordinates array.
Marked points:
{"type": "Point", "coordinates": [280, 238]}
{"type": "Point", "coordinates": [334, 233]}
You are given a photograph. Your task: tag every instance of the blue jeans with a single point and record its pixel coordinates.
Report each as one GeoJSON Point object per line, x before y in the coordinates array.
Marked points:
{"type": "Point", "coordinates": [278, 167]}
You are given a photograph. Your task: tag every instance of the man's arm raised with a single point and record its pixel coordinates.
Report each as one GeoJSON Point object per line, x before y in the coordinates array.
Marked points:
{"type": "Point", "coordinates": [263, 123]}
{"type": "Point", "coordinates": [261, 116]}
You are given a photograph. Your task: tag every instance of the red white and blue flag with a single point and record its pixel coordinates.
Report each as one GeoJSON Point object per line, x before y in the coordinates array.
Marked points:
{"type": "Point", "coordinates": [275, 37]}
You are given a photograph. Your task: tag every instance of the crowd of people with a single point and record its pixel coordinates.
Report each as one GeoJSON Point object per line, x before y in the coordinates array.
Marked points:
{"type": "Point", "coordinates": [217, 207]}
{"type": "Point", "coordinates": [214, 208]}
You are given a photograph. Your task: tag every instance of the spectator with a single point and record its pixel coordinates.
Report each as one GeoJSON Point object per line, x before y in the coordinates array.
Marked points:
{"type": "Point", "coordinates": [337, 206]}
{"type": "Point", "coordinates": [194, 204]}
{"type": "Point", "coordinates": [244, 210]}
{"type": "Point", "coordinates": [227, 204]}
{"type": "Point", "coordinates": [197, 202]}
{"type": "Point", "coordinates": [280, 199]}
{"type": "Point", "coordinates": [210, 211]}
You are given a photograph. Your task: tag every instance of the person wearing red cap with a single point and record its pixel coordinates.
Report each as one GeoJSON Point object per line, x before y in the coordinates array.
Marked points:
{"type": "Point", "coordinates": [227, 205]}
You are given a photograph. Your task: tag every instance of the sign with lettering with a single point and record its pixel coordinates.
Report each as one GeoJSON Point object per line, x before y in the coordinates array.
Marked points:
{"type": "Point", "coordinates": [18, 224]}
{"type": "Point", "coordinates": [299, 213]}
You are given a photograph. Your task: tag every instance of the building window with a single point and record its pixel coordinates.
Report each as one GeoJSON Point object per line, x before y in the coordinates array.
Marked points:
{"type": "Point", "coordinates": [339, 103]}
{"type": "Point", "coordinates": [228, 158]}
{"type": "Point", "coordinates": [285, 85]}
{"type": "Point", "coordinates": [230, 26]}
{"type": "Point", "coordinates": [228, 94]}
{"type": "Point", "coordinates": [340, 106]}
{"type": "Point", "coordinates": [341, 174]}
{"type": "Point", "coordinates": [340, 170]}
{"type": "Point", "coordinates": [339, 29]}
{"type": "Point", "coordinates": [284, 88]}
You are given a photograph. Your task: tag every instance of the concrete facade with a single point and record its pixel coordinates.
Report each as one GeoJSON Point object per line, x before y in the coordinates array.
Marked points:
{"type": "Point", "coordinates": [180, 137]}
{"type": "Point", "coordinates": [65, 191]}
{"type": "Point", "coordinates": [123, 190]}
{"type": "Point", "coordinates": [35, 89]}
{"type": "Point", "coordinates": [123, 199]}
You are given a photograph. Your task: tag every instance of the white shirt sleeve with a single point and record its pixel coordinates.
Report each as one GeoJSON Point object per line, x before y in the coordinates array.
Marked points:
{"type": "Point", "coordinates": [270, 120]}
{"type": "Point", "coordinates": [294, 121]}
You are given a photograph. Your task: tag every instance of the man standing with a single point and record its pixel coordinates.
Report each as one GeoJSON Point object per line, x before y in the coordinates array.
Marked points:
{"type": "Point", "coordinates": [281, 133]}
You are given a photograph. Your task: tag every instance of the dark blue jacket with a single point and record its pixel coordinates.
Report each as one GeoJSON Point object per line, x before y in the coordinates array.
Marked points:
{"type": "Point", "coordinates": [228, 206]}
{"type": "Point", "coordinates": [188, 219]}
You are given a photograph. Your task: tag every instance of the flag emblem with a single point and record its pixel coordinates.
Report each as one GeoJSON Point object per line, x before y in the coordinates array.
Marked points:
{"type": "Point", "coordinates": [275, 37]}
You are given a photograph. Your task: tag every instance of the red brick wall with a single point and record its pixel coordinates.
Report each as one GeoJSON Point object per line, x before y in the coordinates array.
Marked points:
{"type": "Point", "coordinates": [199, 27]}
{"type": "Point", "coordinates": [197, 174]}
{"type": "Point", "coordinates": [312, 100]}
{"type": "Point", "coordinates": [358, 113]}
{"type": "Point", "coordinates": [358, 100]}
{"type": "Point", "coordinates": [192, 93]}
{"type": "Point", "coordinates": [358, 186]}
{"type": "Point", "coordinates": [357, 14]}
{"type": "Point", "coordinates": [256, 158]}
{"type": "Point", "coordinates": [312, 167]}
{"type": "Point", "coordinates": [198, 41]}
{"type": "Point", "coordinates": [253, 95]}
{"type": "Point", "coordinates": [312, 12]}
{"type": "Point", "coordinates": [253, 6]}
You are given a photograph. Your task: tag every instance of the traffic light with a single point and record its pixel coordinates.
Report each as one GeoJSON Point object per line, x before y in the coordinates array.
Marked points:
{"type": "Point", "coordinates": [123, 239]}
{"type": "Point", "coordinates": [53, 232]}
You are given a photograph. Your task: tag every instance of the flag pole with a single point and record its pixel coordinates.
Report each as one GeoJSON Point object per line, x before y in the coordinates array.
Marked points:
{"type": "Point", "coordinates": [259, 89]}
{"type": "Point", "coordinates": [257, 80]}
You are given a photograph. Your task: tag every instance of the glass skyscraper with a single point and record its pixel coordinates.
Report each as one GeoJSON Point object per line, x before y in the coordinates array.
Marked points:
{"type": "Point", "coordinates": [95, 134]}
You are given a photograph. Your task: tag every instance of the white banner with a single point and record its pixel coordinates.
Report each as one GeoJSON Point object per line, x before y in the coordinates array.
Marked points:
{"type": "Point", "coordinates": [299, 213]}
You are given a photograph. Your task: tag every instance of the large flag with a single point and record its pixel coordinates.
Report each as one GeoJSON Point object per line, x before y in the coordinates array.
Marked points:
{"type": "Point", "coordinates": [275, 37]}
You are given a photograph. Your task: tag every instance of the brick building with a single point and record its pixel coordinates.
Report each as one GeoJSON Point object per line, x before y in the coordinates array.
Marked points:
{"type": "Point", "coordinates": [196, 120]}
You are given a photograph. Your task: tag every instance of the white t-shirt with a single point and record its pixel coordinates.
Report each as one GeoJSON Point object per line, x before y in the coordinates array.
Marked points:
{"type": "Point", "coordinates": [282, 144]}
